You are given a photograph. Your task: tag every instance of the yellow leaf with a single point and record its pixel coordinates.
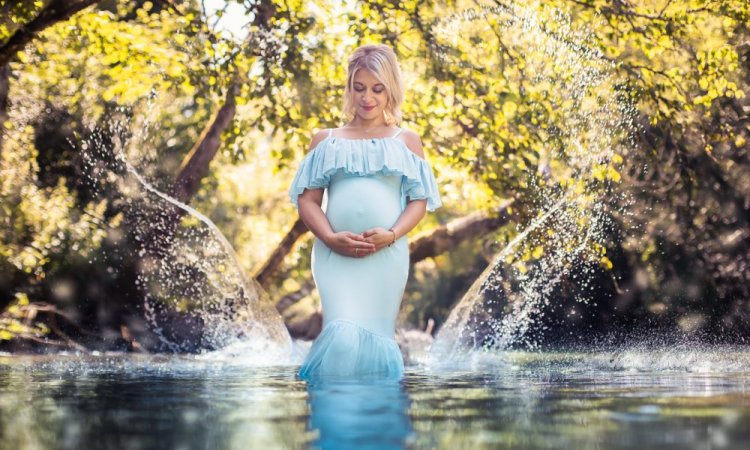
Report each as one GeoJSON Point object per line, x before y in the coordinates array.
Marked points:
{"type": "Point", "coordinates": [108, 95]}
{"type": "Point", "coordinates": [509, 109]}
{"type": "Point", "coordinates": [174, 70]}
{"type": "Point", "coordinates": [5, 335]}
{"type": "Point", "coordinates": [598, 174]}
{"type": "Point", "coordinates": [22, 298]}
{"type": "Point", "coordinates": [613, 174]}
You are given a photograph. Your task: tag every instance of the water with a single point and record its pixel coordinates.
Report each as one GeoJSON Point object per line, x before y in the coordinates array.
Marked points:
{"type": "Point", "coordinates": [196, 294]}
{"type": "Point", "coordinates": [686, 398]}
{"type": "Point", "coordinates": [571, 176]}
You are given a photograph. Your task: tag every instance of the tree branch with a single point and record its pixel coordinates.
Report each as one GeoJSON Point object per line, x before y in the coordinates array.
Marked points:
{"type": "Point", "coordinates": [58, 10]}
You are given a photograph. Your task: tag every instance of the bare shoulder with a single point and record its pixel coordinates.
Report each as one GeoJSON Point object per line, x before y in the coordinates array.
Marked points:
{"type": "Point", "coordinates": [413, 141]}
{"type": "Point", "coordinates": [318, 135]}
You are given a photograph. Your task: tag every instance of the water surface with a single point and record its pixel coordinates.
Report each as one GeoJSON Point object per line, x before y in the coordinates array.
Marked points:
{"type": "Point", "coordinates": [627, 399]}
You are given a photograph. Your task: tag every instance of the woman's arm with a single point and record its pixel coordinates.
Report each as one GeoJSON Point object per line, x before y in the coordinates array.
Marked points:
{"type": "Point", "coordinates": [309, 205]}
{"type": "Point", "coordinates": [411, 215]}
{"type": "Point", "coordinates": [414, 212]}
{"type": "Point", "coordinates": [310, 211]}
{"type": "Point", "coordinates": [344, 242]}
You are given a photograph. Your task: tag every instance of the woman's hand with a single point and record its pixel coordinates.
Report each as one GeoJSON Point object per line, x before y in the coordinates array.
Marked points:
{"type": "Point", "coordinates": [350, 244]}
{"type": "Point", "coordinates": [380, 237]}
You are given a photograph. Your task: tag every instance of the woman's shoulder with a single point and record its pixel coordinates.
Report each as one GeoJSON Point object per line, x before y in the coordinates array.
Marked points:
{"type": "Point", "coordinates": [413, 141]}
{"type": "Point", "coordinates": [317, 137]}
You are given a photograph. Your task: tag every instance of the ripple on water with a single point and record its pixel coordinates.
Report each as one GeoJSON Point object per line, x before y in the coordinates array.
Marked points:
{"type": "Point", "coordinates": [625, 399]}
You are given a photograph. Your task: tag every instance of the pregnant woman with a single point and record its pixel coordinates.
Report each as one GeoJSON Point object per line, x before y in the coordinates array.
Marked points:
{"type": "Point", "coordinates": [360, 189]}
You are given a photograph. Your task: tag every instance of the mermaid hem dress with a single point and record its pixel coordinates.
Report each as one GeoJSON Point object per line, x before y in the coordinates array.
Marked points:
{"type": "Point", "coordinates": [367, 183]}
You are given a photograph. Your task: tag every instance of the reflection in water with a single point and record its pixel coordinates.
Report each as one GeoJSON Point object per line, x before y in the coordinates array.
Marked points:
{"type": "Point", "coordinates": [149, 402]}
{"type": "Point", "coordinates": [630, 399]}
{"type": "Point", "coordinates": [359, 414]}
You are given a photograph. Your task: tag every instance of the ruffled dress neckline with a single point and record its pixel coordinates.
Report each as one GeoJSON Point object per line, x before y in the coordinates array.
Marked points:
{"type": "Point", "coordinates": [335, 138]}
{"type": "Point", "coordinates": [367, 156]}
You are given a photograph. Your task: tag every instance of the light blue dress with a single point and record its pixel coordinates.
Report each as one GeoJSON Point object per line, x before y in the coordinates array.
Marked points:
{"type": "Point", "coordinates": [367, 184]}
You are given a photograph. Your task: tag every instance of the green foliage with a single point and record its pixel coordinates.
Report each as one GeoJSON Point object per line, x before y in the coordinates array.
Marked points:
{"type": "Point", "coordinates": [41, 225]}
{"type": "Point", "coordinates": [497, 115]}
{"type": "Point", "coordinates": [17, 13]}
{"type": "Point", "coordinates": [94, 59]}
{"type": "Point", "coordinates": [687, 65]}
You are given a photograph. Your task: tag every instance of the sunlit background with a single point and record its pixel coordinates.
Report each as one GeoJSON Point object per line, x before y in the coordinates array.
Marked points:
{"type": "Point", "coordinates": [585, 283]}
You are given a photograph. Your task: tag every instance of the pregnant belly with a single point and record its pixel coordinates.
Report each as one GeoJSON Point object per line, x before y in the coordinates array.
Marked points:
{"type": "Point", "coordinates": [356, 203]}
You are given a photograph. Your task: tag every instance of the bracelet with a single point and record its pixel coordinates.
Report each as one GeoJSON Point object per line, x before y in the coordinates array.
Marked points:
{"type": "Point", "coordinates": [394, 236]}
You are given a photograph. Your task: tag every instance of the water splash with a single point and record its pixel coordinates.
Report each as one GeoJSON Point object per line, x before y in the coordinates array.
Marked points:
{"type": "Point", "coordinates": [196, 295]}
{"type": "Point", "coordinates": [501, 309]}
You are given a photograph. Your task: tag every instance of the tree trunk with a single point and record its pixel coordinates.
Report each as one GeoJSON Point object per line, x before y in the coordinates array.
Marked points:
{"type": "Point", "coordinates": [266, 274]}
{"type": "Point", "coordinates": [195, 165]}
{"type": "Point", "coordinates": [448, 236]}
{"type": "Point", "coordinates": [290, 299]}
{"type": "Point", "coordinates": [4, 89]}
{"type": "Point", "coordinates": [192, 170]}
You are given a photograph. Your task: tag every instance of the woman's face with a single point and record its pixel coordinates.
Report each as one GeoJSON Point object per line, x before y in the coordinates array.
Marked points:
{"type": "Point", "coordinates": [370, 95]}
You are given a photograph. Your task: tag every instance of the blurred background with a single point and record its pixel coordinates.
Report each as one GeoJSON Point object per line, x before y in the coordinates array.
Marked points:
{"type": "Point", "coordinates": [214, 104]}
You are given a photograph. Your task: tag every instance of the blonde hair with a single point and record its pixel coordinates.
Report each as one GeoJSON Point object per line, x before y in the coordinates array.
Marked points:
{"type": "Point", "coordinates": [381, 60]}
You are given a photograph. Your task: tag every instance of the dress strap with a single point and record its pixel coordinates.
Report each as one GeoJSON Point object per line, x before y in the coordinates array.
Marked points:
{"type": "Point", "coordinates": [330, 132]}
{"type": "Point", "coordinates": [399, 130]}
